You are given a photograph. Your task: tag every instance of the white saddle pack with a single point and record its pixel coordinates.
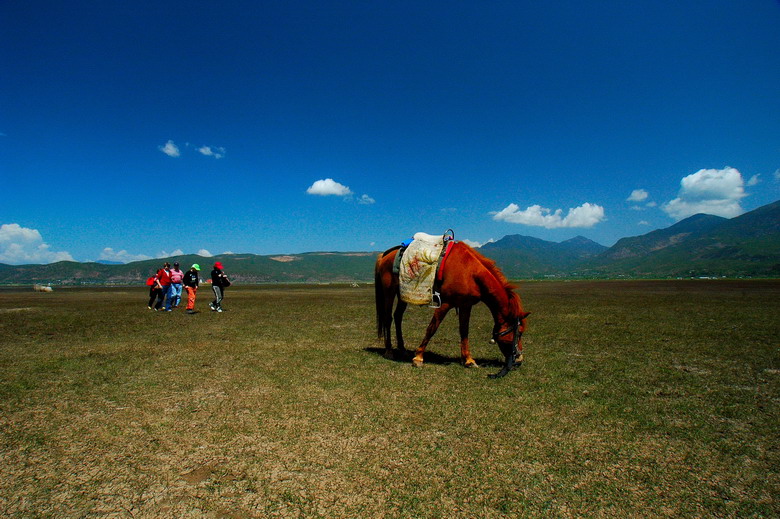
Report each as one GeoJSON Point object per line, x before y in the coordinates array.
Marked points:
{"type": "Point", "coordinates": [417, 271]}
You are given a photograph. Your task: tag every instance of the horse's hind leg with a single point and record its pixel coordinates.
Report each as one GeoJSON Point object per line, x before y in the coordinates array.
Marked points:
{"type": "Point", "coordinates": [438, 317]}
{"type": "Point", "coordinates": [398, 315]}
{"type": "Point", "coordinates": [387, 327]}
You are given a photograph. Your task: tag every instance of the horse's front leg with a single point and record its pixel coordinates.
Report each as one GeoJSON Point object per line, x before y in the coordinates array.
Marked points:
{"type": "Point", "coordinates": [464, 316]}
{"type": "Point", "coordinates": [438, 317]}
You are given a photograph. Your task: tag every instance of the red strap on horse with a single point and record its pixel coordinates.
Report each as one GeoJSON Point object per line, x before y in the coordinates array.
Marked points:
{"type": "Point", "coordinates": [443, 259]}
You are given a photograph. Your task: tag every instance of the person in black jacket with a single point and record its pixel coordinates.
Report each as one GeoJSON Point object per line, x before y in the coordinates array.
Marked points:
{"type": "Point", "coordinates": [219, 281]}
{"type": "Point", "coordinates": [191, 282]}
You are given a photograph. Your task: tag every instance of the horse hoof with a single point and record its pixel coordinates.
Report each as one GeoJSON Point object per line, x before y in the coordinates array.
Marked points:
{"type": "Point", "coordinates": [388, 354]}
{"type": "Point", "coordinates": [417, 363]}
{"type": "Point", "coordinates": [471, 364]}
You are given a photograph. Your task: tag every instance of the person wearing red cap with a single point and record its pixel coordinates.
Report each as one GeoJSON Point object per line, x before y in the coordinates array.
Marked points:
{"type": "Point", "coordinates": [219, 281]}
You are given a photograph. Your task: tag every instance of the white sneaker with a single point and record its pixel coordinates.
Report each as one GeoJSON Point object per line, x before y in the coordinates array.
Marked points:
{"type": "Point", "coordinates": [219, 310]}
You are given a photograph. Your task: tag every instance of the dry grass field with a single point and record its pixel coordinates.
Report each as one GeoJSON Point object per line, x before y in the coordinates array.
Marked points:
{"type": "Point", "coordinates": [642, 399]}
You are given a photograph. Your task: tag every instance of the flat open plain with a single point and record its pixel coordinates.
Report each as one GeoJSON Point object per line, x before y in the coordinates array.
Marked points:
{"type": "Point", "coordinates": [642, 399]}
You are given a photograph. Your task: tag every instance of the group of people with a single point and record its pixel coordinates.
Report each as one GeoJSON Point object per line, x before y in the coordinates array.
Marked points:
{"type": "Point", "coordinates": [165, 287]}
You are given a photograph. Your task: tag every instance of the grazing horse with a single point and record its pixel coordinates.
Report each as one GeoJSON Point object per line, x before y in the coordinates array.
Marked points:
{"type": "Point", "coordinates": [468, 278]}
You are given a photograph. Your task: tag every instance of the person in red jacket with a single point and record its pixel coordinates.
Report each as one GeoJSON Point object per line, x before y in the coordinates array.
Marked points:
{"type": "Point", "coordinates": [163, 278]}
{"type": "Point", "coordinates": [155, 292]}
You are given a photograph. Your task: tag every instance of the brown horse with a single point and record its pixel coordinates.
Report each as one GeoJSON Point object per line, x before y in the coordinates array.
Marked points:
{"type": "Point", "coordinates": [467, 279]}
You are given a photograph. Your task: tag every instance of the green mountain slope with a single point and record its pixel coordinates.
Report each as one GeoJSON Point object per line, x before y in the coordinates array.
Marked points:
{"type": "Point", "coordinates": [748, 245]}
{"type": "Point", "coordinates": [639, 246]}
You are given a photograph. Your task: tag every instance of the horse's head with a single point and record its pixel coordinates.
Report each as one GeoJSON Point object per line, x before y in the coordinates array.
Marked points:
{"type": "Point", "coordinates": [508, 332]}
{"type": "Point", "coordinates": [508, 336]}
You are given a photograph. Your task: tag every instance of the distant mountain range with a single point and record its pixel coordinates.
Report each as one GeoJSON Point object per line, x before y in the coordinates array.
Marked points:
{"type": "Point", "coordinates": [699, 246]}
{"type": "Point", "coordinates": [525, 257]}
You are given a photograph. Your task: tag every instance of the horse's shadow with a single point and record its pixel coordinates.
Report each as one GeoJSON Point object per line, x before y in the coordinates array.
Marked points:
{"type": "Point", "coordinates": [431, 357]}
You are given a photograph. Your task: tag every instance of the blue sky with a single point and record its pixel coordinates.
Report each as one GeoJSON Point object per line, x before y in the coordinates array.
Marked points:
{"type": "Point", "coordinates": [131, 130]}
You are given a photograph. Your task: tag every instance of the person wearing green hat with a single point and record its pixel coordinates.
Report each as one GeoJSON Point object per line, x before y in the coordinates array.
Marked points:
{"type": "Point", "coordinates": [191, 283]}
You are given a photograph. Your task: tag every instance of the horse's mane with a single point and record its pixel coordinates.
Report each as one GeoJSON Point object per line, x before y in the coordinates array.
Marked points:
{"type": "Point", "coordinates": [491, 267]}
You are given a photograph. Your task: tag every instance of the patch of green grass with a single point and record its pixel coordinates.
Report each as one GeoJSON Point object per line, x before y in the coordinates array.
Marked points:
{"type": "Point", "coordinates": [644, 399]}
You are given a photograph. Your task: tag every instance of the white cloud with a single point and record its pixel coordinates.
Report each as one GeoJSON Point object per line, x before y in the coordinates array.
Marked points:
{"type": "Point", "coordinates": [328, 187]}
{"type": "Point", "coordinates": [754, 181]}
{"type": "Point", "coordinates": [109, 254]}
{"type": "Point", "coordinates": [366, 200]}
{"type": "Point", "coordinates": [20, 245]}
{"type": "Point", "coordinates": [216, 152]}
{"type": "Point", "coordinates": [709, 191]}
{"type": "Point", "coordinates": [586, 215]}
{"type": "Point", "coordinates": [204, 253]}
{"type": "Point", "coordinates": [637, 195]}
{"type": "Point", "coordinates": [170, 149]}
{"type": "Point", "coordinates": [165, 254]}
{"type": "Point", "coordinates": [777, 174]}
{"type": "Point", "coordinates": [643, 222]}
{"type": "Point", "coordinates": [476, 244]}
